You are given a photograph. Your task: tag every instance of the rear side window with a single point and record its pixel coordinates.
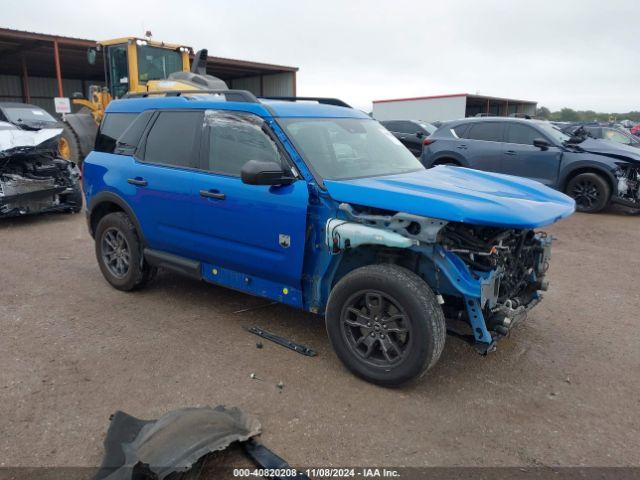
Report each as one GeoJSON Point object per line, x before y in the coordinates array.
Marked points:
{"type": "Point", "coordinates": [460, 130]}
{"type": "Point", "coordinates": [488, 131]}
{"type": "Point", "coordinates": [128, 141]}
{"type": "Point", "coordinates": [172, 139]}
{"type": "Point", "coordinates": [112, 126]}
{"type": "Point", "coordinates": [521, 134]}
{"type": "Point", "coordinates": [236, 138]}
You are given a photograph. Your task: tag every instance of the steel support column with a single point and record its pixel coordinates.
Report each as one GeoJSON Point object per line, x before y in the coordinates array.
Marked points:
{"type": "Point", "coordinates": [26, 96]}
{"type": "Point", "coordinates": [56, 57]}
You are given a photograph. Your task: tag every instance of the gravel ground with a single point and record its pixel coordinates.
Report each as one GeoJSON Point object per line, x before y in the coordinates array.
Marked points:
{"type": "Point", "coordinates": [562, 390]}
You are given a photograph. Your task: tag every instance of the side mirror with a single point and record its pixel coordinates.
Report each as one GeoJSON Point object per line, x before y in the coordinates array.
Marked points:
{"type": "Point", "coordinates": [419, 134]}
{"type": "Point", "coordinates": [255, 172]}
{"type": "Point", "coordinates": [541, 143]}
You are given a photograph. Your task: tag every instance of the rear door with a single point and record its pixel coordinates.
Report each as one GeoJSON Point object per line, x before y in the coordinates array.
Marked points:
{"type": "Point", "coordinates": [482, 145]}
{"type": "Point", "coordinates": [521, 158]}
{"type": "Point", "coordinates": [160, 188]}
{"type": "Point", "coordinates": [247, 229]}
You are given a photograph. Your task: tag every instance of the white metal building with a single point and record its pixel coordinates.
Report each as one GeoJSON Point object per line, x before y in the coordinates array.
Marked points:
{"type": "Point", "coordinates": [449, 107]}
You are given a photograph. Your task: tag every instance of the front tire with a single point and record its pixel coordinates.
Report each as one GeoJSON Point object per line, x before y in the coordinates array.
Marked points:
{"type": "Point", "coordinates": [385, 324]}
{"type": "Point", "coordinates": [590, 191]}
{"type": "Point", "coordinates": [119, 253]}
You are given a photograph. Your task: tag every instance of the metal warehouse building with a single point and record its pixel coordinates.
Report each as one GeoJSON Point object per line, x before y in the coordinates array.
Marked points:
{"type": "Point", "coordinates": [449, 107]}
{"type": "Point", "coordinates": [36, 67]}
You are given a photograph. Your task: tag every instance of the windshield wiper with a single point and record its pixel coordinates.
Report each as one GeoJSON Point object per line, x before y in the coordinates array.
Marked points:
{"type": "Point", "coordinates": [26, 126]}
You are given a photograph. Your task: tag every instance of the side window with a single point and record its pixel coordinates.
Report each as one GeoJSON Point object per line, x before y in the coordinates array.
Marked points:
{"type": "Point", "coordinates": [391, 125]}
{"type": "Point", "coordinates": [234, 139]}
{"type": "Point", "coordinates": [112, 126]}
{"type": "Point", "coordinates": [128, 141]}
{"type": "Point", "coordinates": [171, 140]}
{"type": "Point", "coordinates": [521, 134]}
{"type": "Point", "coordinates": [616, 136]}
{"type": "Point", "coordinates": [409, 128]}
{"type": "Point", "coordinates": [460, 130]}
{"type": "Point", "coordinates": [118, 70]}
{"type": "Point", "coordinates": [488, 131]}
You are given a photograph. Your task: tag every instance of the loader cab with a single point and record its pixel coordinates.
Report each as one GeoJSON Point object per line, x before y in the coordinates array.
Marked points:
{"type": "Point", "coordinates": [131, 64]}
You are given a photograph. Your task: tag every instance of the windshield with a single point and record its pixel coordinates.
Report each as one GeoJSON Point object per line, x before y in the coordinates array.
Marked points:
{"type": "Point", "coordinates": [157, 63]}
{"type": "Point", "coordinates": [28, 115]}
{"type": "Point", "coordinates": [554, 132]}
{"type": "Point", "coordinates": [343, 148]}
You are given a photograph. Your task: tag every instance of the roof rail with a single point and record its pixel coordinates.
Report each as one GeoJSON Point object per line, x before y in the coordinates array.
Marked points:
{"type": "Point", "coordinates": [229, 95]}
{"type": "Point", "coordinates": [323, 100]}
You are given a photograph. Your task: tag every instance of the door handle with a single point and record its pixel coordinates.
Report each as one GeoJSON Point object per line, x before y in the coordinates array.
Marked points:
{"type": "Point", "coordinates": [511, 152]}
{"type": "Point", "coordinates": [462, 147]}
{"type": "Point", "coordinates": [212, 194]}
{"type": "Point", "coordinates": [139, 182]}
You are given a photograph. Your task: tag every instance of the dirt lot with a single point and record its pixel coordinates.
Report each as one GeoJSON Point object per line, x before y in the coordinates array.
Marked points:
{"type": "Point", "coordinates": [562, 390]}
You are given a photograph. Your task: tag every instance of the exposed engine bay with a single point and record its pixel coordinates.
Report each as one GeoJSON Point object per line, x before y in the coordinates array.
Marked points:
{"type": "Point", "coordinates": [629, 185]}
{"type": "Point", "coordinates": [487, 277]}
{"type": "Point", "coordinates": [516, 254]}
{"type": "Point", "coordinates": [32, 178]}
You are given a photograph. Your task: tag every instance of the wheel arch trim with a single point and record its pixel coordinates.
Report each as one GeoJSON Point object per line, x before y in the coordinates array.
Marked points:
{"type": "Point", "coordinates": [110, 197]}
{"type": "Point", "coordinates": [589, 167]}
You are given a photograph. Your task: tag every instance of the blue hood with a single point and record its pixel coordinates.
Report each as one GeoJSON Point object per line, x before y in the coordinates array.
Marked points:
{"type": "Point", "coordinates": [459, 195]}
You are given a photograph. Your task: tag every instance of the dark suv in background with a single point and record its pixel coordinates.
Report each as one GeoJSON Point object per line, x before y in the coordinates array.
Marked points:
{"type": "Point", "coordinates": [410, 132]}
{"type": "Point", "coordinates": [593, 172]}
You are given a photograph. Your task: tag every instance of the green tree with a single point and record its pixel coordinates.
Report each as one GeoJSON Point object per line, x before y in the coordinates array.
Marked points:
{"type": "Point", "coordinates": [543, 112]}
{"type": "Point", "coordinates": [568, 115]}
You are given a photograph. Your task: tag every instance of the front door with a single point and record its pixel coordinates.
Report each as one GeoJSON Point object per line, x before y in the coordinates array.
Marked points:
{"type": "Point", "coordinates": [520, 157]}
{"type": "Point", "coordinates": [257, 231]}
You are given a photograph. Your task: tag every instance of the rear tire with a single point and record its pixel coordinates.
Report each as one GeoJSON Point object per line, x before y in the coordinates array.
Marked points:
{"type": "Point", "coordinates": [385, 324]}
{"type": "Point", "coordinates": [590, 191]}
{"type": "Point", "coordinates": [119, 253]}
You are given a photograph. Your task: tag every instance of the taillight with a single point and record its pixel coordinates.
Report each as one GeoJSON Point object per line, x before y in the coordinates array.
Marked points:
{"type": "Point", "coordinates": [428, 141]}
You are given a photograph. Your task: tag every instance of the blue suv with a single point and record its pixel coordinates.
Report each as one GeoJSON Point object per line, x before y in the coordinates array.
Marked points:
{"type": "Point", "coordinates": [319, 207]}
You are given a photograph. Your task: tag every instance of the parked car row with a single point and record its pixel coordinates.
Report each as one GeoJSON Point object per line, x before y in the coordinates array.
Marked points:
{"type": "Point", "coordinates": [595, 165]}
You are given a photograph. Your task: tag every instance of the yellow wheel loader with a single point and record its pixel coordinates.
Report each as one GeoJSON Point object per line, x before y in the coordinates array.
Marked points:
{"type": "Point", "coordinates": [132, 66]}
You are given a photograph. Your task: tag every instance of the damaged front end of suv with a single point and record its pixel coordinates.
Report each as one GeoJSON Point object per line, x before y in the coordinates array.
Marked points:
{"type": "Point", "coordinates": [32, 177]}
{"type": "Point", "coordinates": [486, 267]}
{"type": "Point", "coordinates": [628, 184]}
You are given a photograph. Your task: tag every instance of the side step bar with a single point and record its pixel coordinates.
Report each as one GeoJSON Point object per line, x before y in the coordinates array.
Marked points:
{"type": "Point", "coordinates": [175, 263]}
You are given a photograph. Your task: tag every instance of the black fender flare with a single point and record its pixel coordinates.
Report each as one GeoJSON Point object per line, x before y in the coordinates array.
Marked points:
{"type": "Point", "coordinates": [110, 197]}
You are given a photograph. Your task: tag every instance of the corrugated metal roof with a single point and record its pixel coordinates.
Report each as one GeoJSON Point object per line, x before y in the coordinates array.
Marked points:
{"type": "Point", "coordinates": [83, 42]}
{"type": "Point", "coordinates": [468, 95]}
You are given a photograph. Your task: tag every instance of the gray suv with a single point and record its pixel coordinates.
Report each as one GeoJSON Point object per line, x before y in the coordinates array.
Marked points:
{"type": "Point", "coordinates": [593, 172]}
